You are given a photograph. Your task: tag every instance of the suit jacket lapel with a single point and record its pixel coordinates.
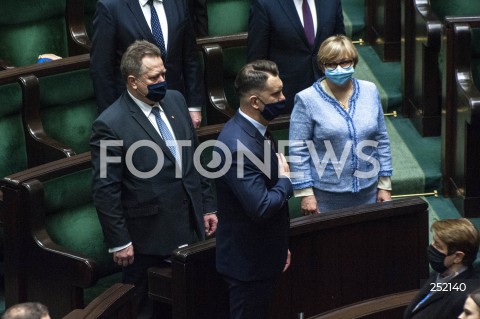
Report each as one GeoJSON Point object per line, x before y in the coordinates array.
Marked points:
{"type": "Point", "coordinates": [260, 141]}
{"type": "Point", "coordinates": [143, 121]}
{"type": "Point", "coordinates": [320, 21]}
{"type": "Point", "coordinates": [137, 12]}
{"type": "Point", "coordinates": [292, 14]}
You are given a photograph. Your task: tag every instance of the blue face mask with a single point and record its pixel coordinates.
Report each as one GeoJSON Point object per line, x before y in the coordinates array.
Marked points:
{"type": "Point", "coordinates": [339, 76]}
{"type": "Point", "coordinates": [156, 91]}
{"type": "Point", "coordinates": [272, 110]}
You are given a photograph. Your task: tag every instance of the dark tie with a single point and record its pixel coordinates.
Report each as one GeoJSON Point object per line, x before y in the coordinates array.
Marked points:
{"type": "Point", "coordinates": [157, 29]}
{"type": "Point", "coordinates": [166, 134]}
{"type": "Point", "coordinates": [269, 138]}
{"type": "Point", "coordinates": [308, 22]}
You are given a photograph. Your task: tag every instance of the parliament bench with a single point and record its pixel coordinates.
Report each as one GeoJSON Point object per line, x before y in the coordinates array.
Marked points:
{"type": "Point", "coordinates": [115, 302]}
{"type": "Point", "coordinates": [422, 31]}
{"type": "Point", "coordinates": [461, 114]}
{"type": "Point", "coordinates": [333, 256]}
{"type": "Point", "coordinates": [53, 237]}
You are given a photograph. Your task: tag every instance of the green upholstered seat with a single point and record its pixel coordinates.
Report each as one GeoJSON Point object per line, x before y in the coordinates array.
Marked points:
{"type": "Point", "coordinates": [233, 60]}
{"type": "Point", "coordinates": [227, 16]}
{"type": "Point", "coordinates": [29, 28]}
{"type": "Point", "coordinates": [68, 108]}
{"type": "Point", "coordinates": [72, 222]}
{"type": "Point", "coordinates": [443, 8]}
{"type": "Point", "coordinates": [13, 157]}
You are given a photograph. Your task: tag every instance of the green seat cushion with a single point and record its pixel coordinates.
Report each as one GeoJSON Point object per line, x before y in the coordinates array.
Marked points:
{"type": "Point", "coordinates": [38, 28]}
{"type": "Point", "coordinates": [72, 221]}
{"type": "Point", "coordinates": [227, 16]}
{"type": "Point", "coordinates": [13, 155]}
{"type": "Point", "coordinates": [103, 284]}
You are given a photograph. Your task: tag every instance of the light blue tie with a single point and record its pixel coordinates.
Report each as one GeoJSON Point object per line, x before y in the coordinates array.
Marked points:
{"type": "Point", "coordinates": [166, 134]}
{"type": "Point", "coordinates": [157, 29]}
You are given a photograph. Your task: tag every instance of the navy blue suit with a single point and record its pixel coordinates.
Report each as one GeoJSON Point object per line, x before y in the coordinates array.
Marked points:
{"type": "Point", "coordinates": [253, 220]}
{"type": "Point", "coordinates": [118, 23]}
{"type": "Point", "coordinates": [276, 33]}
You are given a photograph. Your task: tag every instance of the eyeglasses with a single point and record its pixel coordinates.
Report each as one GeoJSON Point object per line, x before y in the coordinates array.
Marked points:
{"type": "Point", "coordinates": [333, 65]}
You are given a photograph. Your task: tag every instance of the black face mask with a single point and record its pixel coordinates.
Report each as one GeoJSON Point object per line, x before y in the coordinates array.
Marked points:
{"type": "Point", "coordinates": [156, 92]}
{"type": "Point", "coordinates": [273, 110]}
{"type": "Point", "coordinates": [436, 259]}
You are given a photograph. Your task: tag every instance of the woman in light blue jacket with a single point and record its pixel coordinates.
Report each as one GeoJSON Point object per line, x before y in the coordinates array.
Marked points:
{"type": "Point", "coordinates": [339, 147]}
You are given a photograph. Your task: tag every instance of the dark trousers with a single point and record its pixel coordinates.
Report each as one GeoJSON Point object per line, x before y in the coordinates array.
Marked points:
{"type": "Point", "coordinates": [137, 274]}
{"type": "Point", "coordinates": [250, 299]}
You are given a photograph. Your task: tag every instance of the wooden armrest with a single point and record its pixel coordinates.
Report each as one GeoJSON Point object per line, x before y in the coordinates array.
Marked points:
{"type": "Point", "coordinates": [213, 58]}
{"type": "Point", "coordinates": [370, 306]}
{"type": "Point", "coordinates": [41, 147]}
{"type": "Point", "coordinates": [76, 25]}
{"type": "Point", "coordinates": [50, 170]}
{"type": "Point", "coordinates": [225, 41]}
{"type": "Point", "coordinates": [70, 265]}
{"type": "Point", "coordinates": [468, 92]}
{"type": "Point", "coordinates": [43, 69]}
{"type": "Point", "coordinates": [428, 26]}
{"type": "Point", "coordinates": [4, 65]}
{"type": "Point", "coordinates": [118, 298]}
{"type": "Point", "coordinates": [209, 132]}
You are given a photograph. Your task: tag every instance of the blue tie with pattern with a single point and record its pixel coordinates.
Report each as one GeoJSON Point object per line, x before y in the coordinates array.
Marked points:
{"type": "Point", "coordinates": [157, 29]}
{"type": "Point", "coordinates": [166, 134]}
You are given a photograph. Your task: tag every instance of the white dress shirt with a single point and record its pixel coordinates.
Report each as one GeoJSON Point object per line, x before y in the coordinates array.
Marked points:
{"type": "Point", "coordinates": [158, 4]}
{"type": "Point", "coordinates": [313, 10]}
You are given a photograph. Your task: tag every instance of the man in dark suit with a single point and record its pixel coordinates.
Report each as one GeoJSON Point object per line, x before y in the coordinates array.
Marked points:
{"type": "Point", "coordinates": [199, 16]}
{"type": "Point", "coordinates": [451, 256]}
{"type": "Point", "coordinates": [149, 197]}
{"type": "Point", "coordinates": [277, 31]}
{"type": "Point", "coordinates": [252, 239]}
{"type": "Point", "coordinates": [118, 23]}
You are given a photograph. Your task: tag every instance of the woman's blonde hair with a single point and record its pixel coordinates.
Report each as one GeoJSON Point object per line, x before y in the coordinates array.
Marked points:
{"type": "Point", "coordinates": [334, 47]}
{"type": "Point", "coordinates": [459, 235]}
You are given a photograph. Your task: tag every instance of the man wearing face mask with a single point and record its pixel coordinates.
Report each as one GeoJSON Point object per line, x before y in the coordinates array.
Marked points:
{"type": "Point", "coordinates": [451, 255]}
{"type": "Point", "coordinates": [149, 197]}
{"type": "Point", "coordinates": [252, 239]}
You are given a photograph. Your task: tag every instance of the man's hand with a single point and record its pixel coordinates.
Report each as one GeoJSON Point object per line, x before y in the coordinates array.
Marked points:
{"type": "Point", "coordinates": [196, 117]}
{"type": "Point", "coordinates": [283, 168]}
{"type": "Point", "coordinates": [309, 205]}
{"type": "Point", "coordinates": [287, 263]}
{"type": "Point", "coordinates": [124, 257]}
{"type": "Point", "coordinates": [383, 195]}
{"type": "Point", "coordinates": [210, 222]}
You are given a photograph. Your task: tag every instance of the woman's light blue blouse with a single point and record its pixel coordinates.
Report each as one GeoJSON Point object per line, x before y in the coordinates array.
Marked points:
{"type": "Point", "coordinates": [334, 149]}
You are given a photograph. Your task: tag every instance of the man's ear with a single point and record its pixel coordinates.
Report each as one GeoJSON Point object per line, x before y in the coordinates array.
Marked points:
{"type": "Point", "coordinates": [132, 82]}
{"type": "Point", "coordinates": [459, 255]}
{"type": "Point", "coordinates": [253, 100]}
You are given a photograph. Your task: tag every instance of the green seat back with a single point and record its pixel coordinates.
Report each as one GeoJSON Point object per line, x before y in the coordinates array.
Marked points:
{"type": "Point", "coordinates": [476, 56]}
{"type": "Point", "coordinates": [233, 60]}
{"type": "Point", "coordinates": [68, 108]}
{"type": "Point", "coordinates": [443, 8]}
{"type": "Point", "coordinates": [227, 16]}
{"type": "Point", "coordinates": [72, 221]}
{"type": "Point", "coordinates": [13, 154]}
{"type": "Point", "coordinates": [30, 28]}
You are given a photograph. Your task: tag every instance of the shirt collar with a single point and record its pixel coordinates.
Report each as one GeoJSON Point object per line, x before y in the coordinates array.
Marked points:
{"type": "Point", "coordinates": [146, 109]}
{"type": "Point", "coordinates": [144, 2]}
{"type": "Point", "coordinates": [260, 127]}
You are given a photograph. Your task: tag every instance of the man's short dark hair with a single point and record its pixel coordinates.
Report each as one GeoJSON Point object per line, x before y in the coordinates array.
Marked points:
{"type": "Point", "coordinates": [253, 76]}
{"type": "Point", "coordinates": [131, 63]}
{"type": "Point", "coordinates": [26, 310]}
